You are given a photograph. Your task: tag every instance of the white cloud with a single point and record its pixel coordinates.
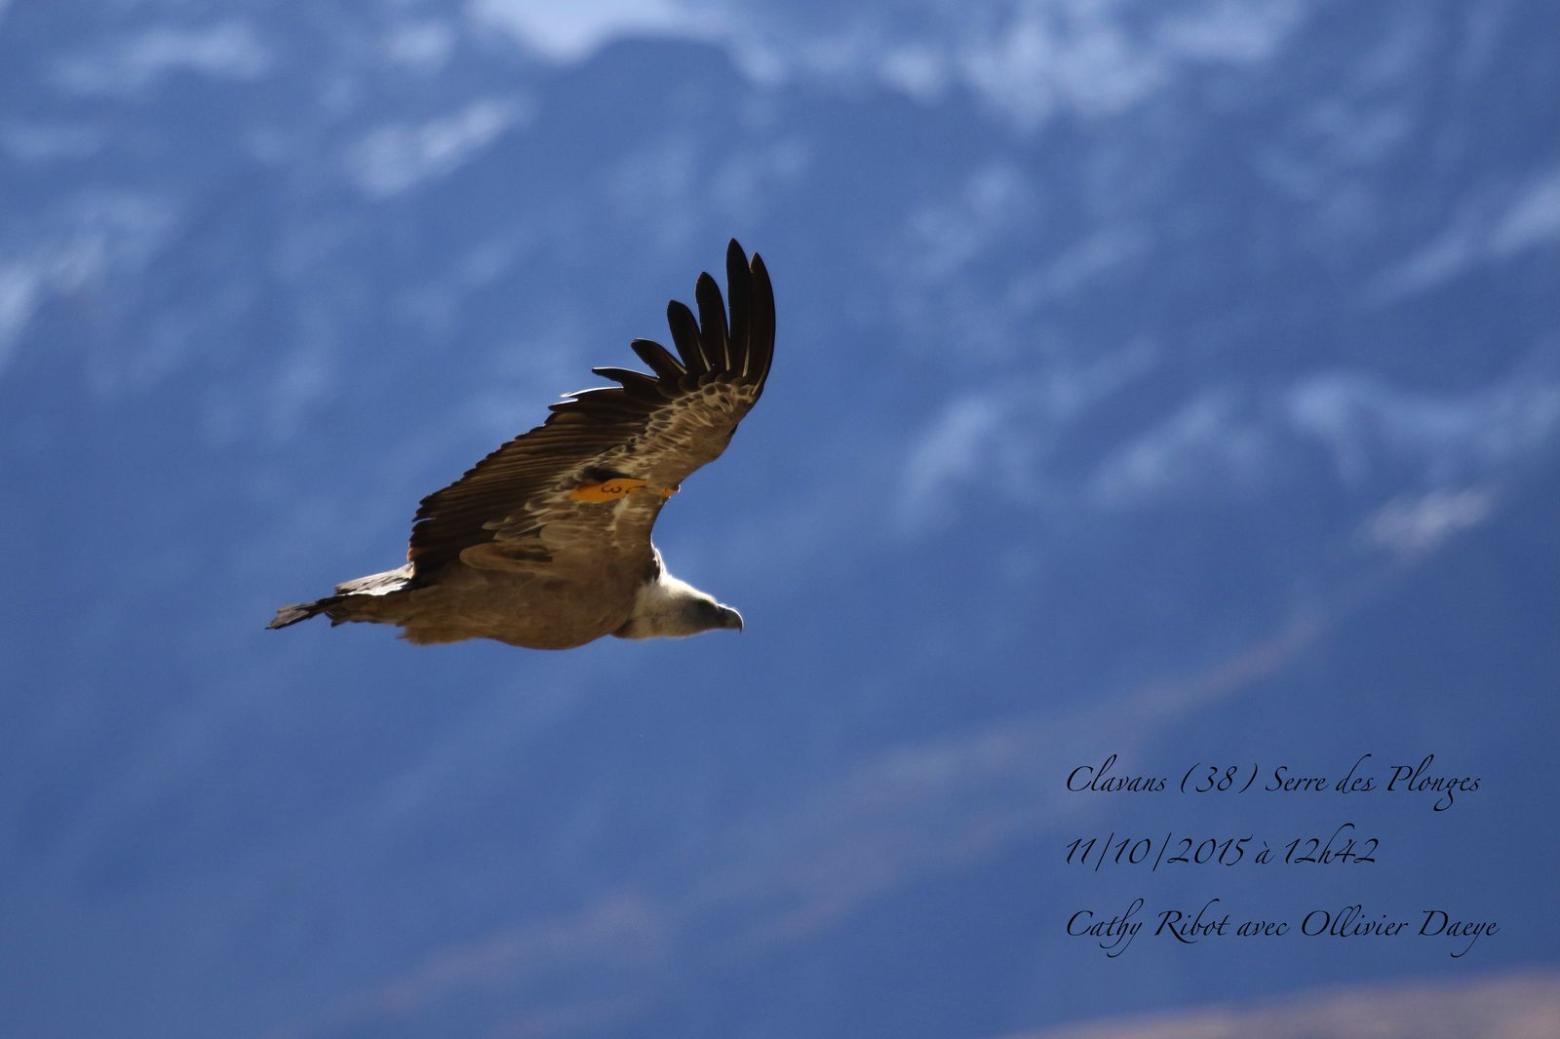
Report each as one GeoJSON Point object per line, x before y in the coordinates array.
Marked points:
{"type": "Point", "coordinates": [226, 50]}
{"type": "Point", "coordinates": [917, 70]}
{"type": "Point", "coordinates": [18, 298]}
{"type": "Point", "coordinates": [1533, 219]}
{"type": "Point", "coordinates": [945, 236]}
{"type": "Point", "coordinates": [991, 442]}
{"type": "Point", "coordinates": [1209, 442]}
{"type": "Point", "coordinates": [393, 158]}
{"type": "Point", "coordinates": [107, 230]}
{"type": "Point", "coordinates": [1229, 31]}
{"type": "Point", "coordinates": [1444, 257]}
{"type": "Point", "coordinates": [571, 31]}
{"type": "Point", "coordinates": [1026, 58]}
{"type": "Point", "coordinates": [1493, 225]}
{"type": "Point", "coordinates": [1366, 422]}
{"type": "Point", "coordinates": [1046, 57]}
{"type": "Point", "coordinates": [960, 443]}
{"type": "Point", "coordinates": [423, 45]}
{"type": "Point", "coordinates": [1412, 525]}
{"type": "Point", "coordinates": [1075, 265]}
{"type": "Point", "coordinates": [42, 142]}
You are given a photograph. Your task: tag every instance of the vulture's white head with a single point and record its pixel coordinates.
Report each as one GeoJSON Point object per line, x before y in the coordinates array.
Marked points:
{"type": "Point", "coordinates": [670, 608]}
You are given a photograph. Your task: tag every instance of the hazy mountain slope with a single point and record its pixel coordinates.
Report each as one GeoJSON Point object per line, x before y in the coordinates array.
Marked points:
{"type": "Point", "coordinates": [1159, 380]}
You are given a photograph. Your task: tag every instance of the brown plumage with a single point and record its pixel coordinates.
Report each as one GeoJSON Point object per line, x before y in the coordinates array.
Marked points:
{"type": "Point", "coordinates": [545, 543]}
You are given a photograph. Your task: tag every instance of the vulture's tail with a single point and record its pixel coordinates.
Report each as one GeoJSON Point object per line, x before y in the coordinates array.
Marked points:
{"type": "Point", "coordinates": [359, 599]}
{"type": "Point", "coordinates": [301, 611]}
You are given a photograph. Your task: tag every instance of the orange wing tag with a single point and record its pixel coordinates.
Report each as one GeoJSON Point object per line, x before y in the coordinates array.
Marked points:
{"type": "Point", "coordinates": [610, 490]}
{"type": "Point", "coordinates": [616, 490]}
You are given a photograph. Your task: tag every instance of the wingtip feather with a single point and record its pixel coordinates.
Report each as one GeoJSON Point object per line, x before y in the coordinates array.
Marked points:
{"type": "Point", "coordinates": [685, 336]}
{"type": "Point", "coordinates": [763, 332]}
{"type": "Point", "coordinates": [713, 335]}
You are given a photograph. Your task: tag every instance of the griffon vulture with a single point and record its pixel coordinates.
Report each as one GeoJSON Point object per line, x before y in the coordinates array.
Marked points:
{"type": "Point", "coordinates": [545, 543]}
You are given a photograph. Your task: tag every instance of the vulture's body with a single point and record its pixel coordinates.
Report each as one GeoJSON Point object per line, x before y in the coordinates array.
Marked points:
{"type": "Point", "coordinates": [545, 543]}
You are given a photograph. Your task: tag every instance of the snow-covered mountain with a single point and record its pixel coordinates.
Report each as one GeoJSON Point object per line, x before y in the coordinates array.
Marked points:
{"type": "Point", "coordinates": [1180, 381]}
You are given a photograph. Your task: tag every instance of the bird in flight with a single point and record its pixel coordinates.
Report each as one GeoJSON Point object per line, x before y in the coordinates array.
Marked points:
{"type": "Point", "coordinates": [545, 543]}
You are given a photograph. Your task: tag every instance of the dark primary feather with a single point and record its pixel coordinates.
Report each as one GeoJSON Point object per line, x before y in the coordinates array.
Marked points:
{"type": "Point", "coordinates": [712, 323]}
{"type": "Point", "coordinates": [659, 359]}
{"type": "Point", "coordinates": [636, 384]}
{"type": "Point", "coordinates": [657, 427]}
{"type": "Point", "coordinates": [685, 336]}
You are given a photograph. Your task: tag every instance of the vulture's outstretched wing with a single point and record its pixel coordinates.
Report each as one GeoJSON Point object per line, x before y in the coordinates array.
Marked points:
{"type": "Point", "coordinates": [581, 491]}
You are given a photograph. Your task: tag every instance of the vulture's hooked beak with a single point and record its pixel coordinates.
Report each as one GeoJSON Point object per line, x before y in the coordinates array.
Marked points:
{"type": "Point", "coordinates": [730, 618]}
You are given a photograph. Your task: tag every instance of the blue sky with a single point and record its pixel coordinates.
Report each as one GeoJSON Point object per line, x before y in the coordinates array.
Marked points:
{"type": "Point", "coordinates": [1178, 381]}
